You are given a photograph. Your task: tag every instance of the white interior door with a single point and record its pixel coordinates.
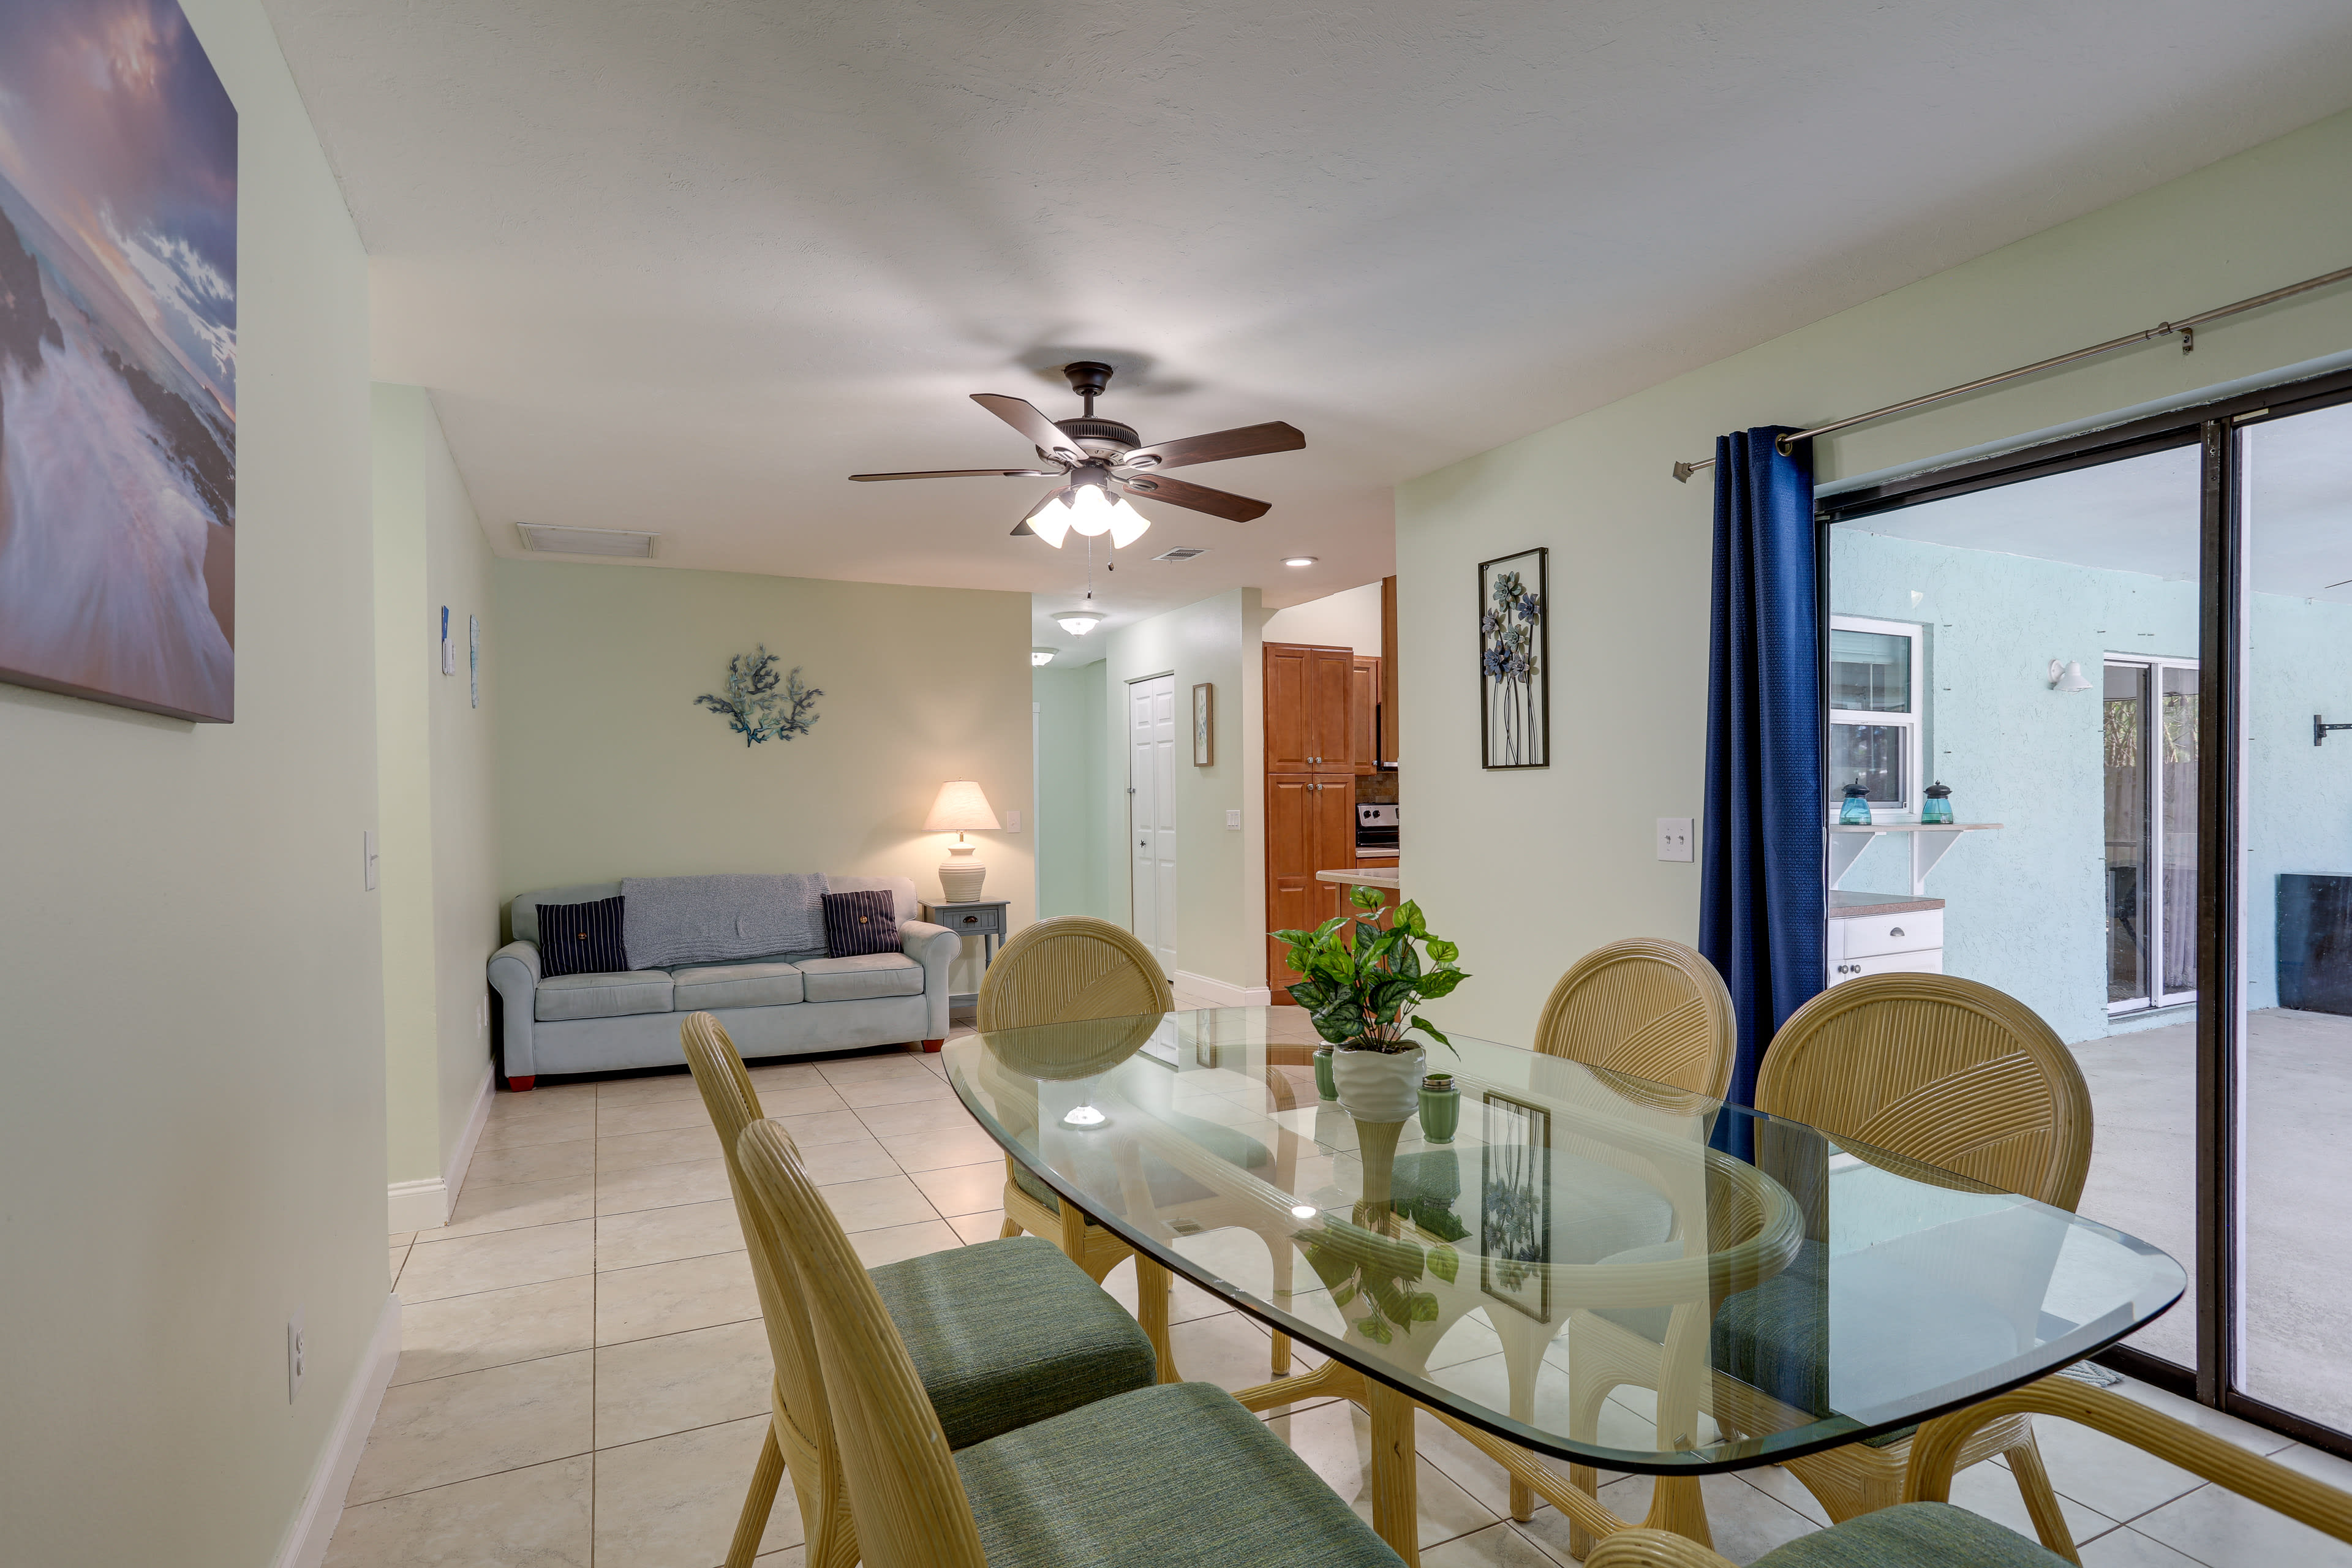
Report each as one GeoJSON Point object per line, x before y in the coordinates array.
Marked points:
{"type": "Point", "coordinates": [1152, 813]}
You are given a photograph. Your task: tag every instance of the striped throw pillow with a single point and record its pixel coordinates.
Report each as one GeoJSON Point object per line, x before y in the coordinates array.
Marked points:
{"type": "Point", "coordinates": [857, 923]}
{"type": "Point", "coordinates": [581, 939]}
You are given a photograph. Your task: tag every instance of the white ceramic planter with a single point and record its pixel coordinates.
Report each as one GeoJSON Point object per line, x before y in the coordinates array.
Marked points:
{"type": "Point", "coordinates": [1378, 1087]}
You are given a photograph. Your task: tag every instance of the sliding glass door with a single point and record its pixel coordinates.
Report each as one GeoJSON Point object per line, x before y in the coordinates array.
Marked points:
{"type": "Point", "coordinates": [2040, 639]}
{"type": "Point", "coordinates": [2148, 745]}
{"type": "Point", "coordinates": [2292, 1310]}
{"type": "Point", "coordinates": [2137, 663]}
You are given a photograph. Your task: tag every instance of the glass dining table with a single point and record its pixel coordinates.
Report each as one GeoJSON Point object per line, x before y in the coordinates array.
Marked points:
{"type": "Point", "coordinates": [1593, 1269]}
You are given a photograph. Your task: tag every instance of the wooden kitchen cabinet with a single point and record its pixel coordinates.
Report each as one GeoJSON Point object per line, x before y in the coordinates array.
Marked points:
{"type": "Point", "coordinates": [1311, 826]}
{"type": "Point", "coordinates": [1308, 725]}
{"type": "Point", "coordinates": [1364, 715]}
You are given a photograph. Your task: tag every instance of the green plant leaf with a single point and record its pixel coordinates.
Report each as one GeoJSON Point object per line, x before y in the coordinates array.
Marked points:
{"type": "Point", "coordinates": [1446, 1263]}
{"type": "Point", "coordinates": [1443, 951]}
{"type": "Point", "coordinates": [1425, 1027]}
{"type": "Point", "coordinates": [1343, 1295]}
{"type": "Point", "coordinates": [1409, 918]}
{"type": "Point", "coordinates": [1421, 1308]}
{"type": "Point", "coordinates": [1441, 982]}
{"type": "Point", "coordinates": [1364, 898]}
{"type": "Point", "coordinates": [1376, 1331]}
{"type": "Point", "coordinates": [1407, 962]}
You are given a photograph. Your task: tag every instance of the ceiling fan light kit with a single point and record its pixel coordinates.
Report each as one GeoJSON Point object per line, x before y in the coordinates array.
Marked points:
{"type": "Point", "coordinates": [1107, 460]}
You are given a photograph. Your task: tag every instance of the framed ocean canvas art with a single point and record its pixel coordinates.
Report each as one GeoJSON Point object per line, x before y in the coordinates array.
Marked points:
{"type": "Point", "coordinates": [118, 358]}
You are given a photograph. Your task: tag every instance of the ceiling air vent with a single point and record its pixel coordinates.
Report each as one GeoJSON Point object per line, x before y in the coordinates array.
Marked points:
{"type": "Point", "coordinates": [551, 541]}
{"type": "Point", "coordinates": [1182, 553]}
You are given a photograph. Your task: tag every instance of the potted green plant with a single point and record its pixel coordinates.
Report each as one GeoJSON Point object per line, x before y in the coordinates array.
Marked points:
{"type": "Point", "coordinates": [1361, 987]}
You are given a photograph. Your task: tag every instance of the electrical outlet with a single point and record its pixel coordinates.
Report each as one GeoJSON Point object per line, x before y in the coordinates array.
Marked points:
{"type": "Point", "coordinates": [295, 1353]}
{"type": "Point", "coordinates": [1012, 822]}
{"type": "Point", "coordinates": [369, 859]}
{"type": "Point", "coordinates": [1674, 838]}
{"type": "Point", "coordinates": [1233, 820]}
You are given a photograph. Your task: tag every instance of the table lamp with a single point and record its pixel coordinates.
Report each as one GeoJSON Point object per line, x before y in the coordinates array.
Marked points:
{"type": "Point", "coordinates": [960, 808]}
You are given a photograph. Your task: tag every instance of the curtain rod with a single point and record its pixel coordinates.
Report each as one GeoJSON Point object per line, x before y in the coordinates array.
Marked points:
{"type": "Point", "coordinates": [2186, 327]}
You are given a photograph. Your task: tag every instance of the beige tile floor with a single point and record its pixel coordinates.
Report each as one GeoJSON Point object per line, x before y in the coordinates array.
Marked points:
{"type": "Point", "coordinates": [583, 1376]}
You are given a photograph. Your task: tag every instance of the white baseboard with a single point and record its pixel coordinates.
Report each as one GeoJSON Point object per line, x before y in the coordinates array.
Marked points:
{"type": "Point", "coordinates": [453, 1176]}
{"type": "Point", "coordinates": [330, 1479]}
{"type": "Point", "coordinates": [416, 1205]}
{"type": "Point", "coordinates": [1223, 993]}
{"type": "Point", "coordinates": [426, 1205]}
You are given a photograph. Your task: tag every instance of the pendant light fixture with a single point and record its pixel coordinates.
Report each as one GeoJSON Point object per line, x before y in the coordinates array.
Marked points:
{"type": "Point", "coordinates": [1085, 618]}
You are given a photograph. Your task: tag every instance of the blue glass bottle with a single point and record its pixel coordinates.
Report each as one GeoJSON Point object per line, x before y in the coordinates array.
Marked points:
{"type": "Point", "coordinates": [1856, 812]}
{"type": "Point", "coordinates": [1938, 809]}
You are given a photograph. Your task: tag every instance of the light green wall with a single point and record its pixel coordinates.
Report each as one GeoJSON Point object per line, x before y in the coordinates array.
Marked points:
{"type": "Point", "coordinates": [1630, 547]}
{"type": "Point", "coordinates": [1071, 826]}
{"type": "Point", "coordinates": [439, 870]}
{"type": "Point", "coordinates": [1220, 872]}
{"type": "Point", "coordinates": [192, 1137]}
{"type": "Point", "coordinates": [1349, 618]}
{"type": "Point", "coordinates": [607, 769]}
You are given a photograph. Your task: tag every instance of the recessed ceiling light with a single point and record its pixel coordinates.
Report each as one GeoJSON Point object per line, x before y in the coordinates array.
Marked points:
{"type": "Point", "coordinates": [1042, 655]}
{"type": "Point", "coordinates": [1299, 560]}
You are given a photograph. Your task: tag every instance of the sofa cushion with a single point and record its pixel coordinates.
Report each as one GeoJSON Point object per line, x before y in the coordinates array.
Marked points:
{"type": "Point", "coordinates": [613, 995]}
{"type": "Point", "coordinates": [774, 983]}
{"type": "Point", "coordinates": [855, 979]}
{"type": "Point", "coordinates": [582, 939]}
{"type": "Point", "coordinates": [857, 923]}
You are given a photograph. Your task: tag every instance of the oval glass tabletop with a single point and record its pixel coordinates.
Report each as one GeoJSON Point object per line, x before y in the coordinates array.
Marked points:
{"type": "Point", "coordinates": [1578, 1269]}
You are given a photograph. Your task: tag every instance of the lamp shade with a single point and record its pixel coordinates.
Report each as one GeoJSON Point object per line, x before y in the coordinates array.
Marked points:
{"type": "Point", "coordinates": [960, 808]}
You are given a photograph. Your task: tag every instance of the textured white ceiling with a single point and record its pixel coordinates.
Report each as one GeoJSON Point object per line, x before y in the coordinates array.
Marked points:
{"type": "Point", "coordinates": [683, 267]}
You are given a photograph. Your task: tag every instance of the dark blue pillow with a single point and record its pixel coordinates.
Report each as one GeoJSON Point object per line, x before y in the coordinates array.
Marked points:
{"type": "Point", "coordinates": [581, 939]}
{"type": "Point", "coordinates": [858, 923]}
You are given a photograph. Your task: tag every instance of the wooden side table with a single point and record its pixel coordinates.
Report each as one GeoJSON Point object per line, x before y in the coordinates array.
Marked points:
{"type": "Point", "coordinates": [984, 919]}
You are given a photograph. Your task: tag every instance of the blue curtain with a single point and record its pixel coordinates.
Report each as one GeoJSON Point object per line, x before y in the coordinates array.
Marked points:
{"type": "Point", "coordinates": [1762, 884]}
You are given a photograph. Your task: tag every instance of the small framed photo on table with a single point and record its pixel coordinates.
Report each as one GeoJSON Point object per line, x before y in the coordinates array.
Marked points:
{"type": "Point", "coordinates": [1204, 725]}
{"type": "Point", "coordinates": [1515, 1207]}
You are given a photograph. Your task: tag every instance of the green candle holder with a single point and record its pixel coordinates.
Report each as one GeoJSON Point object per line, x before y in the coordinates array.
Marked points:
{"type": "Point", "coordinates": [1323, 1084]}
{"type": "Point", "coordinates": [1440, 1108]}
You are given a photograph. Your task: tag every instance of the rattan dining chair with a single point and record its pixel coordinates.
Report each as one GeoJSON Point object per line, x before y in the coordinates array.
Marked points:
{"type": "Point", "coordinates": [1175, 1474]}
{"type": "Point", "coordinates": [1068, 970]}
{"type": "Point", "coordinates": [1960, 1078]}
{"type": "Point", "coordinates": [1003, 1333]}
{"type": "Point", "coordinates": [1648, 1008]}
{"type": "Point", "coordinates": [1926, 1532]}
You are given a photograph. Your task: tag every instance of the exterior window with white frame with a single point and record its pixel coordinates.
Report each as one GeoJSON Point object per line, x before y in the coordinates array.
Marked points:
{"type": "Point", "coordinates": [1876, 699]}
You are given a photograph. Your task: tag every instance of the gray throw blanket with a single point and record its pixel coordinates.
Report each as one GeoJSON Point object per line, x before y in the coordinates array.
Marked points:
{"type": "Point", "coordinates": [716, 920]}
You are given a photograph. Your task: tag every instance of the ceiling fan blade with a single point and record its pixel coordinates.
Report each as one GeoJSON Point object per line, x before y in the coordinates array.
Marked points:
{"type": "Point", "coordinates": [1198, 497]}
{"type": "Point", "coordinates": [1022, 531]}
{"type": "Point", "coordinates": [1043, 433]}
{"type": "Point", "coordinates": [1247, 441]}
{"type": "Point", "coordinates": [967, 473]}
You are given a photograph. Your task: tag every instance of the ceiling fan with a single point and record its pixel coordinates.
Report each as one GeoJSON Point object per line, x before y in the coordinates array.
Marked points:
{"type": "Point", "coordinates": [1104, 461]}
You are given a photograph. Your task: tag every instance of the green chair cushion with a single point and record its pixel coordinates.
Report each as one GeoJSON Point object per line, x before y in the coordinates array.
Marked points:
{"type": "Point", "coordinates": [1913, 1535]}
{"type": "Point", "coordinates": [1173, 1476]}
{"type": "Point", "coordinates": [1008, 1332]}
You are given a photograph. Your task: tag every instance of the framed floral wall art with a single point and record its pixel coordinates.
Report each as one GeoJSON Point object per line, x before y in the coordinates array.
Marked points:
{"type": "Point", "coordinates": [1515, 662]}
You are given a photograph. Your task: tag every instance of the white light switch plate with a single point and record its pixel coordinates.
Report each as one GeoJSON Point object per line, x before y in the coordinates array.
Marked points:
{"type": "Point", "coordinates": [1012, 822]}
{"type": "Point", "coordinates": [1674, 838]}
{"type": "Point", "coordinates": [1233, 820]}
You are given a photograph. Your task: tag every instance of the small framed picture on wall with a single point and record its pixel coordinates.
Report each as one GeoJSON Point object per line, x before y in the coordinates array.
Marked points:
{"type": "Point", "coordinates": [1515, 662]}
{"type": "Point", "coordinates": [1204, 725]}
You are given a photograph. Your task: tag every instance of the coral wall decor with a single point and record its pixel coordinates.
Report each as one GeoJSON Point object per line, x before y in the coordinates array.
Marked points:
{"type": "Point", "coordinates": [758, 705]}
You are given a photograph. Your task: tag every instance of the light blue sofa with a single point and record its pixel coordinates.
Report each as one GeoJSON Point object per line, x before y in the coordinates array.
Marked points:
{"type": "Point", "coordinates": [786, 1005]}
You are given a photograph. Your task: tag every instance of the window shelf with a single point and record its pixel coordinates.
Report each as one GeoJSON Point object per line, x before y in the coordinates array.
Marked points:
{"type": "Point", "coordinates": [1931, 842]}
